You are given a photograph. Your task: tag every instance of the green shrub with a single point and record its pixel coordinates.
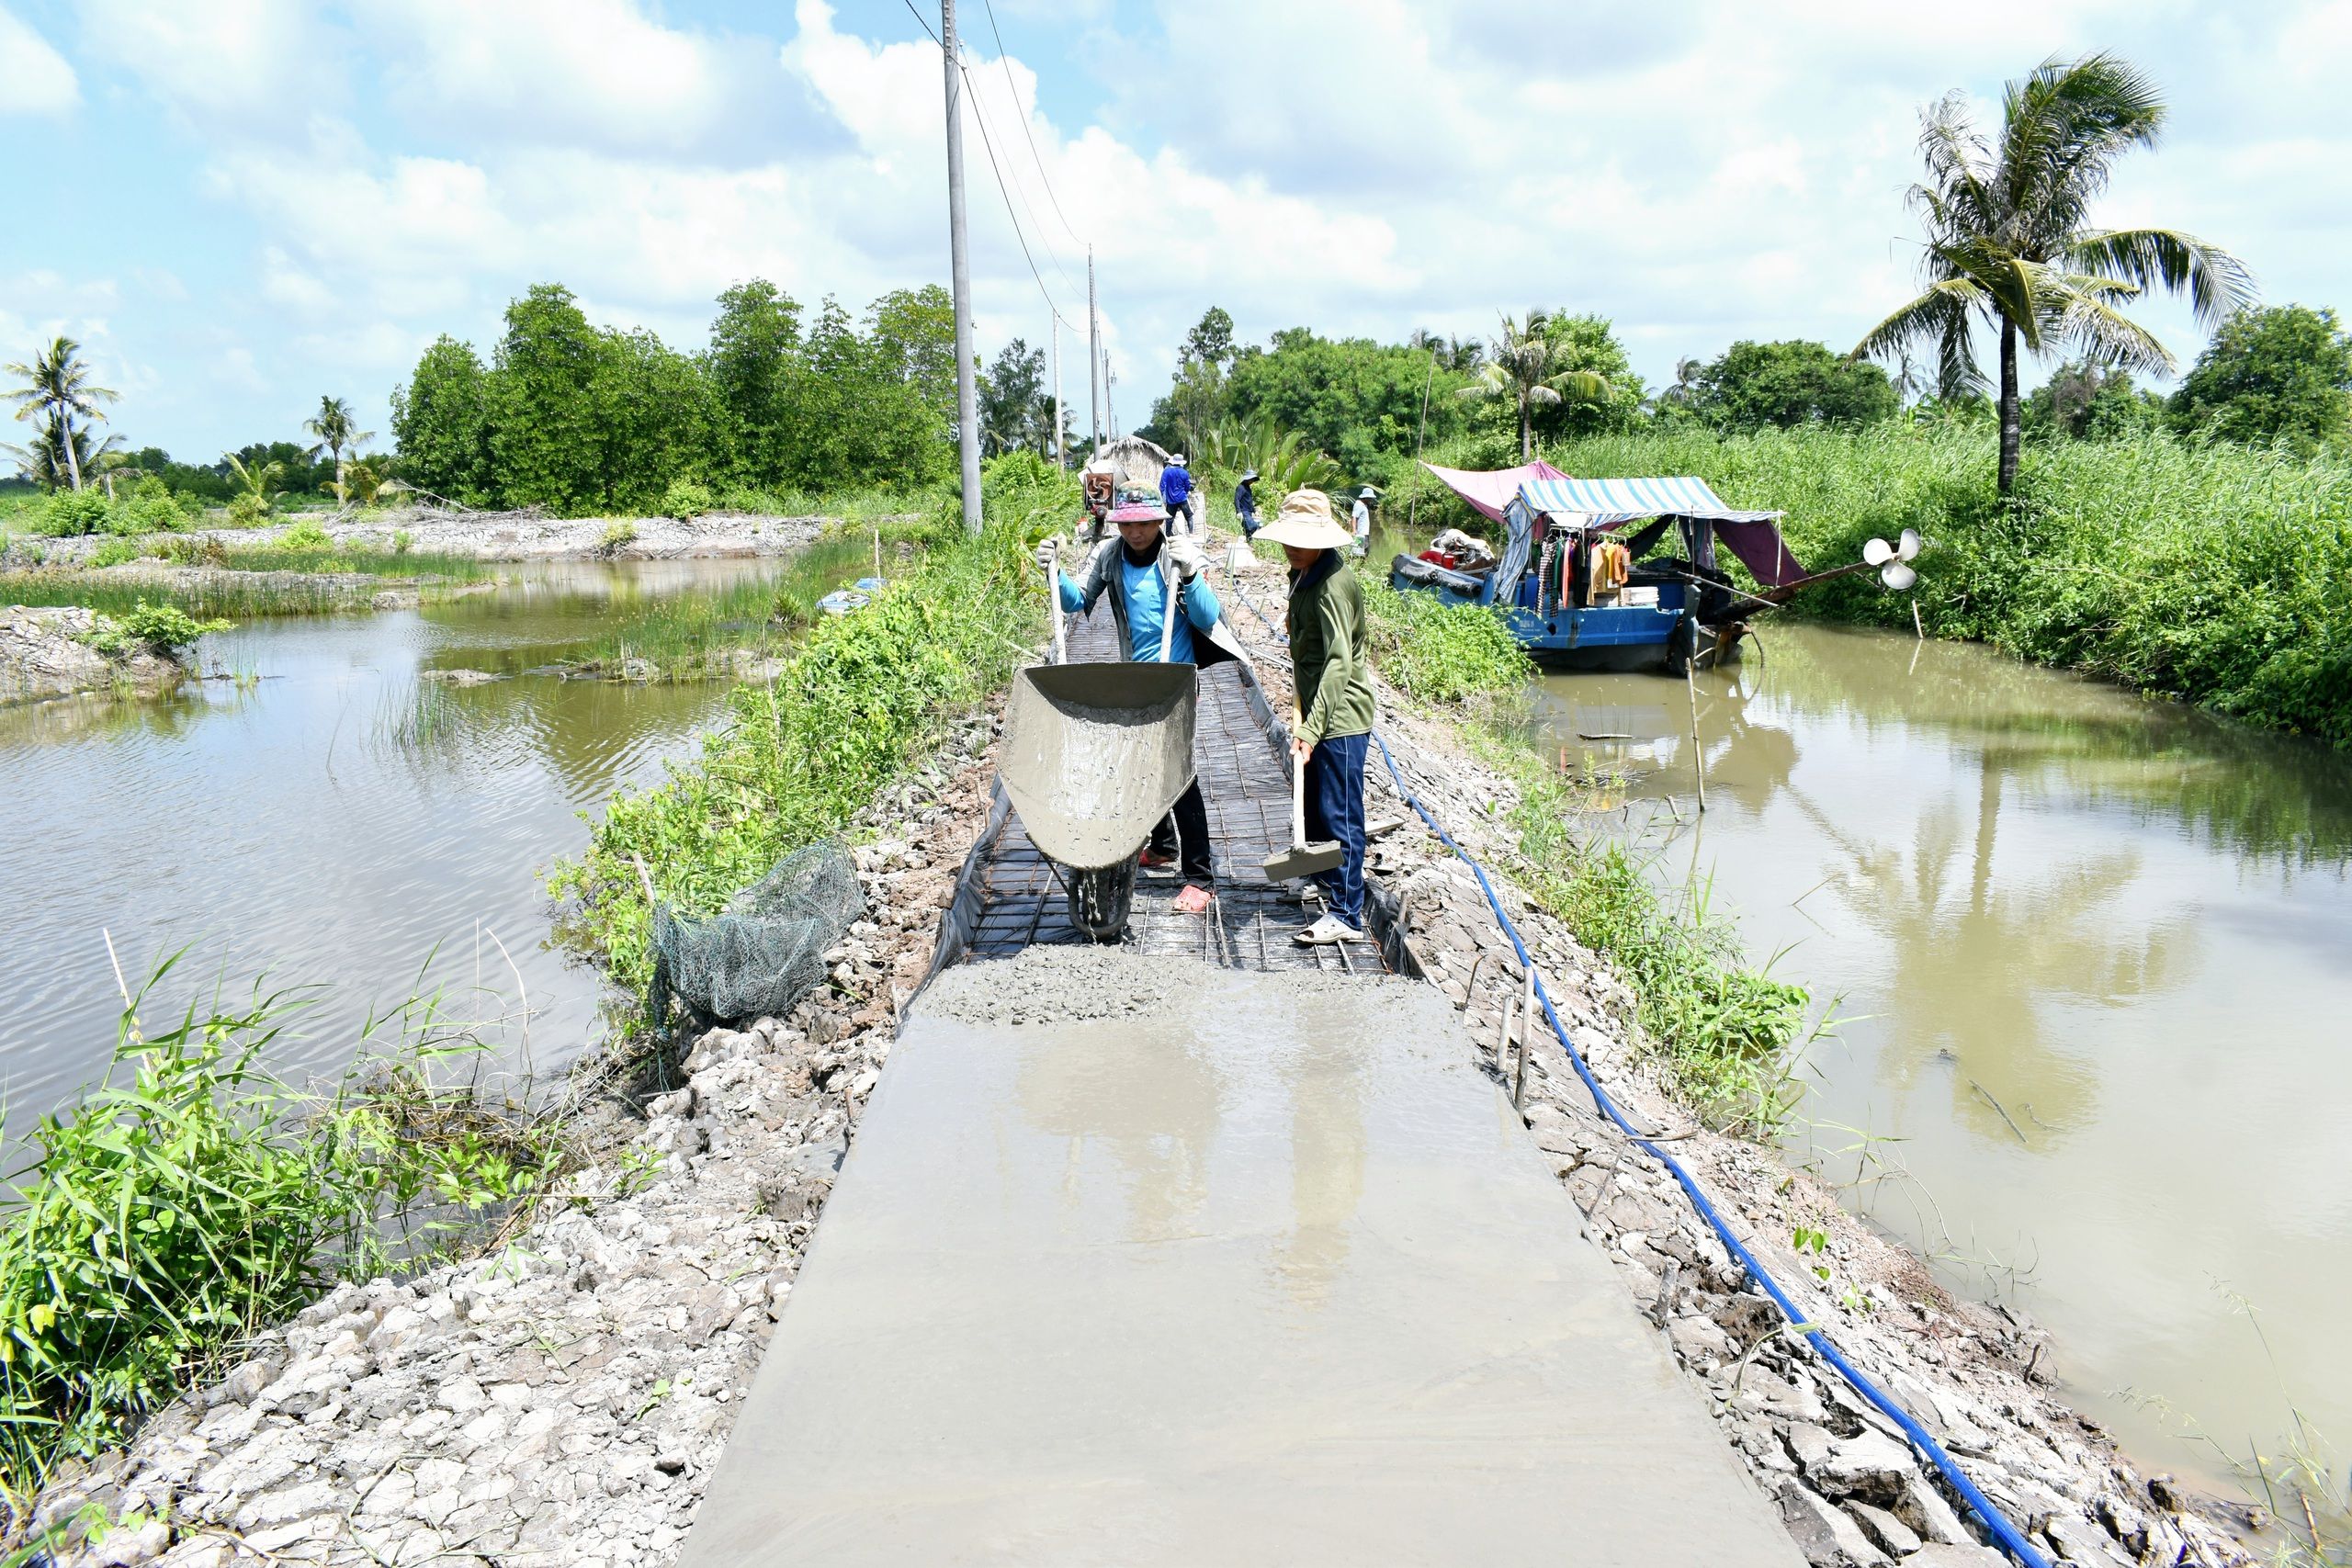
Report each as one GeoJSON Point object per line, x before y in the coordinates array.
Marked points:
{"type": "Point", "coordinates": [153, 512]}
{"type": "Point", "coordinates": [160, 1223]}
{"type": "Point", "coordinates": [685, 498]}
{"type": "Point", "coordinates": [161, 628]}
{"type": "Point", "coordinates": [248, 512]}
{"type": "Point", "coordinates": [403, 541]}
{"type": "Point", "coordinates": [72, 512]}
{"type": "Point", "coordinates": [305, 534]}
{"type": "Point", "coordinates": [800, 755]}
{"type": "Point", "coordinates": [1437, 653]}
{"type": "Point", "coordinates": [619, 533]}
{"type": "Point", "coordinates": [114, 552]}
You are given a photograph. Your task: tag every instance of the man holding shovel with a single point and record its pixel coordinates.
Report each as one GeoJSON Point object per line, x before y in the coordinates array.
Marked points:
{"type": "Point", "coordinates": [1144, 574]}
{"type": "Point", "coordinates": [1333, 728]}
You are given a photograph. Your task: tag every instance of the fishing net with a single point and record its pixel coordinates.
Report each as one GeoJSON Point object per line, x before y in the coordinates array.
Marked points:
{"type": "Point", "coordinates": [765, 950]}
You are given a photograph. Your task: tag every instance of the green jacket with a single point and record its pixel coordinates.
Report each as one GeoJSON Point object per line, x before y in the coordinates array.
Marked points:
{"type": "Point", "coordinates": [1327, 651]}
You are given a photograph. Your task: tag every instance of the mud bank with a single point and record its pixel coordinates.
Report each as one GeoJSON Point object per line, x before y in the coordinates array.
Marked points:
{"type": "Point", "coordinates": [45, 653]}
{"type": "Point", "coordinates": [494, 536]}
{"type": "Point", "coordinates": [564, 1399]}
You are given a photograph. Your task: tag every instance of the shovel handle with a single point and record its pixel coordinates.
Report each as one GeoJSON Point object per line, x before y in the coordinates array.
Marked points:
{"type": "Point", "coordinates": [1298, 803]}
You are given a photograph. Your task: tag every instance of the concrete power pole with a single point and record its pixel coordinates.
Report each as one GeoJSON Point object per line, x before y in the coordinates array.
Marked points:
{"type": "Point", "coordinates": [1093, 350]}
{"type": "Point", "coordinates": [967, 422]}
{"type": "Point", "coordinates": [1057, 392]}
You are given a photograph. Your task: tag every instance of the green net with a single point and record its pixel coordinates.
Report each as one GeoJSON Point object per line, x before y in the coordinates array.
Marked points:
{"type": "Point", "coordinates": [766, 949]}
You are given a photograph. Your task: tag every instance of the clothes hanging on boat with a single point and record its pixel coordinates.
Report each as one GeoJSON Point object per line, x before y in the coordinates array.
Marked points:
{"type": "Point", "coordinates": [1613, 563]}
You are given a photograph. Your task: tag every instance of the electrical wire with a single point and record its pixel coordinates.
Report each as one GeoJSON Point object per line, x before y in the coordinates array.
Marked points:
{"type": "Point", "coordinates": [923, 22]}
{"type": "Point", "coordinates": [1004, 59]}
{"type": "Point", "coordinates": [979, 115]}
{"type": "Point", "coordinates": [1011, 216]}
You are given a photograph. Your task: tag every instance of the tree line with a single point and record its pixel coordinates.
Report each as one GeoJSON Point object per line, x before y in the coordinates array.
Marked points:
{"type": "Point", "coordinates": [579, 418]}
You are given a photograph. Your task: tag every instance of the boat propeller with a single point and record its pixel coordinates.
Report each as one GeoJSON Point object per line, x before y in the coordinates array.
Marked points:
{"type": "Point", "coordinates": [1894, 561]}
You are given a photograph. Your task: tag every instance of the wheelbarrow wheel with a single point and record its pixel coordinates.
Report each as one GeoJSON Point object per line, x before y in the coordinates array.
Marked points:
{"type": "Point", "coordinates": [1099, 901]}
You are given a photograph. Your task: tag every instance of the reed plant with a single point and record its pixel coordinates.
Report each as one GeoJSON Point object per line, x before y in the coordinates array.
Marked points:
{"type": "Point", "coordinates": [193, 1197]}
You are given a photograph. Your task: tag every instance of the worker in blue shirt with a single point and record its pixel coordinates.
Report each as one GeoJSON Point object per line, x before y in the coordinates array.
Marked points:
{"type": "Point", "coordinates": [1136, 569]}
{"type": "Point", "coordinates": [1244, 503]}
{"type": "Point", "coordinates": [1176, 493]}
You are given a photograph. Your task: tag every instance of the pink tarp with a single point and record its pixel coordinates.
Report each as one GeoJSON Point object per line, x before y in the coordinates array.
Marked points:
{"type": "Point", "coordinates": [1488, 490]}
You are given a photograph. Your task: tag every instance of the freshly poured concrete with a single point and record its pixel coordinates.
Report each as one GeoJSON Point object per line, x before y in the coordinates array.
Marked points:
{"type": "Point", "coordinates": [1259, 1274]}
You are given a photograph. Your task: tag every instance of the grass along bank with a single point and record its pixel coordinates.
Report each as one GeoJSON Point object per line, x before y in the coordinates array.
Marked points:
{"type": "Point", "coordinates": [2214, 574]}
{"type": "Point", "coordinates": [194, 1198]}
{"type": "Point", "coordinates": [1722, 1031]}
{"type": "Point", "coordinates": [799, 755]}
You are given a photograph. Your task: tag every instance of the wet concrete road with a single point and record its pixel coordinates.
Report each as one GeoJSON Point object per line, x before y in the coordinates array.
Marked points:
{"type": "Point", "coordinates": [1261, 1272]}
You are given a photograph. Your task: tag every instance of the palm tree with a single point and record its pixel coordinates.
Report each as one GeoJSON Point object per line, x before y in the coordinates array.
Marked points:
{"type": "Point", "coordinates": [2009, 246]}
{"type": "Point", "coordinates": [257, 478]}
{"type": "Point", "coordinates": [1525, 363]}
{"type": "Point", "coordinates": [51, 461]}
{"type": "Point", "coordinates": [57, 384]}
{"type": "Point", "coordinates": [334, 428]}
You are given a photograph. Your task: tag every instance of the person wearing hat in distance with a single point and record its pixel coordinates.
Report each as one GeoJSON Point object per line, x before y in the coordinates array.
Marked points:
{"type": "Point", "coordinates": [1135, 570]}
{"type": "Point", "coordinates": [1244, 503]}
{"type": "Point", "coordinates": [1176, 494]}
{"type": "Point", "coordinates": [1335, 707]}
{"type": "Point", "coordinates": [1365, 498]}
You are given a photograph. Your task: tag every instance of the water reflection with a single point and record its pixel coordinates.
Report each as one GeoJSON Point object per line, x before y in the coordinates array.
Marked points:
{"type": "Point", "coordinates": [2089, 952]}
{"type": "Point", "coordinates": [327, 814]}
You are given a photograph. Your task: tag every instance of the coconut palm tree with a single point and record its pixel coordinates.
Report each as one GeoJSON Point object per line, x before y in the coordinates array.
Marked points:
{"type": "Point", "coordinates": [51, 461]}
{"type": "Point", "coordinates": [1525, 363]}
{"type": "Point", "coordinates": [257, 478]}
{"type": "Point", "coordinates": [57, 384]}
{"type": "Point", "coordinates": [335, 429]}
{"type": "Point", "coordinates": [2010, 247]}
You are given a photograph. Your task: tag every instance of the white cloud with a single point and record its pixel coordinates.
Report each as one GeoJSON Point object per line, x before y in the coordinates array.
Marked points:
{"type": "Point", "coordinates": [34, 78]}
{"type": "Point", "coordinates": [226, 66]}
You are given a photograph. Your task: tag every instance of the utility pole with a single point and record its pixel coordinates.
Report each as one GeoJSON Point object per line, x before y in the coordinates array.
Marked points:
{"type": "Point", "coordinates": [968, 422]}
{"type": "Point", "coordinates": [1093, 350]}
{"type": "Point", "coordinates": [1057, 392]}
{"type": "Point", "coordinates": [1110, 404]}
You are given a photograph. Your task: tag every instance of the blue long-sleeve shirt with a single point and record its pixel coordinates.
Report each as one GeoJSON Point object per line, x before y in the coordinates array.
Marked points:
{"type": "Point", "coordinates": [1175, 486]}
{"type": "Point", "coordinates": [1244, 505]}
{"type": "Point", "coordinates": [1143, 589]}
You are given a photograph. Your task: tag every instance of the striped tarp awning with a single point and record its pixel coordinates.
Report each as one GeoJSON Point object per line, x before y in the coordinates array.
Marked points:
{"type": "Point", "coordinates": [1608, 501]}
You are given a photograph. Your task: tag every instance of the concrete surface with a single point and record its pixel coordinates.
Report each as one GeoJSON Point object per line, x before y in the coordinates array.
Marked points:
{"type": "Point", "coordinates": [1264, 1274]}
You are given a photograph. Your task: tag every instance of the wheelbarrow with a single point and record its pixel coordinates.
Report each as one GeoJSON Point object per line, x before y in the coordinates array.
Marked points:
{"type": "Point", "coordinates": [1095, 756]}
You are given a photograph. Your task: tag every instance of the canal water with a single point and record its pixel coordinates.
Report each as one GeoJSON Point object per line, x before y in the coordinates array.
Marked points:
{"type": "Point", "coordinates": [330, 817]}
{"type": "Point", "coordinates": [2092, 957]}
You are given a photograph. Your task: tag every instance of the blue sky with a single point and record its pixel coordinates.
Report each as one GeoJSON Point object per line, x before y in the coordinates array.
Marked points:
{"type": "Point", "coordinates": [243, 204]}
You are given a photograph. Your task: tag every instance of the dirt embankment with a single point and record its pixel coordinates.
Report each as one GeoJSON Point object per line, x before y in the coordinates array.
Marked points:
{"type": "Point", "coordinates": [47, 653]}
{"type": "Point", "coordinates": [564, 1400]}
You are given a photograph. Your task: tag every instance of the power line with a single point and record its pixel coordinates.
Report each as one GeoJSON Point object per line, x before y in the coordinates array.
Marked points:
{"type": "Point", "coordinates": [1011, 216]}
{"type": "Point", "coordinates": [980, 114]}
{"type": "Point", "coordinates": [924, 23]}
{"type": "Point", "coordinates": [1004, 59]}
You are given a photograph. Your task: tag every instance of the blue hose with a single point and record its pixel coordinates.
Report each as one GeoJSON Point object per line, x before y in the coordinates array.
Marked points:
{"type": "Point", "coordinates": [2007, 1535]}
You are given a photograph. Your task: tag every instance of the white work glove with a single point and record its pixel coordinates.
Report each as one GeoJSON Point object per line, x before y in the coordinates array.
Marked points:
{"type": "Point", "coordinates": [1049, 551]}
{"type": "Point", "coordinates": [1184, 555]}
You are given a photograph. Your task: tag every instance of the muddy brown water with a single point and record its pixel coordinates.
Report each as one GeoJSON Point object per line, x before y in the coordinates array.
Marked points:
{"type": "Point", "coordinates": [2090, 951]}
{"type": "Point", "coordinates": [335, 819]}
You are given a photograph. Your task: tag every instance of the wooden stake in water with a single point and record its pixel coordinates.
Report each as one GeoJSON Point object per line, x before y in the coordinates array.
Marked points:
{"type": "Point", "coordinates": [1698, 758]}
{"type": "Point", "coordinates": [1526, 1024]}
{"type": "Point", "coordinates": [1915, 621]}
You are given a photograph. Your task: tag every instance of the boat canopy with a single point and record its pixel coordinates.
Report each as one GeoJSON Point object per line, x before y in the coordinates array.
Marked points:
{"type": "Point", "coordinates": [1515, 497]}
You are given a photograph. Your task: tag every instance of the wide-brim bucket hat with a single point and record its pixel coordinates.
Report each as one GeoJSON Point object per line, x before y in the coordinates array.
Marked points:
{"type": "Point", "coordinates": [1305, 523]}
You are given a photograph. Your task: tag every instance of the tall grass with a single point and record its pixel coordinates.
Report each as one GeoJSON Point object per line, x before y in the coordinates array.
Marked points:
{"type": "Point", "coordinates": [243, 584]}
{"type": "Point", "coordinates": [160, 1221]}
{"type": "Point", "coordinates": [2215, 573]}
{"type": "Point", "coordinates": [800, 754]}
{"type": "Point", "coordinates": [1719, 1029]}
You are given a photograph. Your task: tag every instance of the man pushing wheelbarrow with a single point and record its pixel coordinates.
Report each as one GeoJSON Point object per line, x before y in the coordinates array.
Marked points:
{"type": "Point", "coordinates": [1123, 719]}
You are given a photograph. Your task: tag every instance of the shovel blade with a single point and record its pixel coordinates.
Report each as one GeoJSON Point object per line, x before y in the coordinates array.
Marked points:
{"type": "Point", "coordinates": [1314, 859]}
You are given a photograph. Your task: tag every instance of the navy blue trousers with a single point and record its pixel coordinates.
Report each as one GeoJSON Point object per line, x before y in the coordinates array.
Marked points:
{"type": "Point", "coordinates": [1335, 811]}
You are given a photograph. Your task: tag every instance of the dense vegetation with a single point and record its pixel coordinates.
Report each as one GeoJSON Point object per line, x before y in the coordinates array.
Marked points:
{"type": "Point", "coordinates": [583, 420]}
{"type": "Point", "coordinates": [851, 706]}
{"type": "Point", "coordinates": [2202, 570]}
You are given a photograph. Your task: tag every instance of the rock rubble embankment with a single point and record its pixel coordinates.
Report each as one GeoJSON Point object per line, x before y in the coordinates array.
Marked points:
{"type": "Point", "coordinates": [47, 653]}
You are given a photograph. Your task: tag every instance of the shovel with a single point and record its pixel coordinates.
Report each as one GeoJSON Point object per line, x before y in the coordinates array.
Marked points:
{"type": "Point", "coordinates": [1302, 859]}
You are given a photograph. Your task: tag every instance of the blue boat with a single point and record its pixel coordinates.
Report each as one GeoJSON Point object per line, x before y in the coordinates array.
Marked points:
{"type": "Point", "coordinates": [1611, 574]}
